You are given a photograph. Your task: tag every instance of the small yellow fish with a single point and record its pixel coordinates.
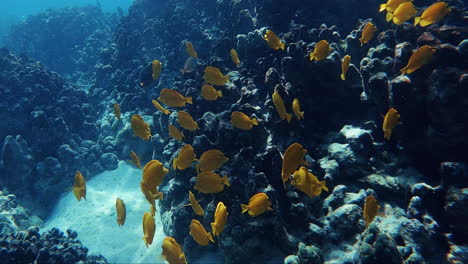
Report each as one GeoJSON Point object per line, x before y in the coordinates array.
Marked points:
{"type": "Point", "coordinates": [190, 50]}
{"type": "Point", "coordinates": [156, 66]}
{"type": "Point", "coordinates": [280, 108]}
{"type": "Point", "coordinates": [243, 121]}
{"type": "Point", "coordinates": [235, 57]}
{"type": "Point", "coordinates": [367, 33]}
{"type": "Point", "coordinates": [211, 160]}
{"type": "Point", "coordinates": [292, 158]}
{"type": "Point", "coordinates": [419, 58]}
{"type": "Point", "coordinates": [79, 186]}
{"type": "Point", "coordinates": [371, 209]}
{"type": "Point", "coordinates": [172, 251]}
{"type": "Point", "coordinates": [296, 107]}
{"type": "Point", "coordinates": [117, 111]}
{"type": "Point", "coordinates": [273, 40]}
{"type": "Point", "coordinates": [390, 122]}
{"type": "Point", "coordinates": [186, 121]}
{"type": "Point", "coordinates": [153, 174]}
{"type": "Point", "coordinates": [197, 209]}
{"type": "Point", "coordinates": [214, 76]}
{"type": "Point", "coordinates": [432, 14]}
{"type": "Point", "coordinates": [140, 128]}
{"type": "Point", "coordinates": [185, 158]}
{"type": "Point", "coordinates": [321, 51]}
{"type": "Point", "coordinates": [160, 107]}
{"type": "Point", "coordinates": [220, 219]}
{"type": "Point", "coordinates": [135, 159]}
{"type": "Point", "coordinates": [403, 13]}
{"type": "Point", "coordinates": [344, 66]}
{"type": "Point", "coordinates": [308, 183]}
{"type": "Point", "coordinates": [121, 211]}
{"type": "Point", "coordinates": [175, 133]}
{"type": "Point", "coordinates": [210, 93]}
{"type": "Point", "coordinates": [151, 195]}
{"type": "Point", "coordinates": [149, 227]}
{"type": "Point", "coordinates": [258, 204]}
{"type": "Point", "coordinates": [173, 98]}
{"type": "Point", "coordinates": [391, 5]}
{"type": "Point", "coordinates": [199, 234]}
{"type": "Point", "coordinates": [210, 182]}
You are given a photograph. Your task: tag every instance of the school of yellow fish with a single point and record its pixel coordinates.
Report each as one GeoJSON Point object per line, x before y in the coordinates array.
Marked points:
{"type": "Point", "coordinates": [208, 181]}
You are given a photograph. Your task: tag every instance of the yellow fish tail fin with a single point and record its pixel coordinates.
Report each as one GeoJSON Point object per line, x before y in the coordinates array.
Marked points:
{"type": "Point", "coordinates": [210, 237]}
{"type": "Point", "coordinates": [197, 168]}
{"type": "Point", "coordinates": [417, 20]}
{"type": "Point", "coordinates": [324, 186]}
{"type": "Point", "coordinates": [254, 121]}
{"type": "Point", "coordinates": [226, 78]}
{"type": "Point", "coordinates": [244, 208]}
{"type": "Point", "coordinates": [362, 41]}
{"type": "Point", "coordinates": [182, 134]}
{"type": "Point", "coordinates": [220, 94]}
{"type": "Point", "coordinates": [186, 205]}
{"type": "Point", "coordinates": [282, 46]}
{"type": "Point", "coordinates": [269, 208]}
{"type": "Point", "coordinates": [311, 56]}
{"type": "Point", "coordinates": [389, 17]}
{"type": "Point", "coordinates": [174, 163]}
{"type": "Point", "coordinates": [343, 77]}
{"type": "Point", "coordinates": [387, 134]}
{"type": "Point", "coordinates": [213, 229]}
{"type": "Point", "coordinates": [288, 117]}
{"type": "Point", "coordinates": [302, 114]}
{"type": "Point", "coordinates": [404, 70]}
{"type": "Point", "coordinates": [382, 7]}
{"type": "Point", "coordinates": [188, 100]}
{"type": "Point", "coordinates": [226, 180]}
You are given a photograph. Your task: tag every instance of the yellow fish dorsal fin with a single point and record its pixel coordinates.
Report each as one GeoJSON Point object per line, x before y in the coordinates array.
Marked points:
{"type": "Point", "coordinates": [244, 208]}
{"type": "Point", "coordinates": [389, 16]}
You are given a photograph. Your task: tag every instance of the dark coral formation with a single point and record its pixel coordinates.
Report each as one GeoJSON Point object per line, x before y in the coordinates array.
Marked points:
{"type": "Point", "coordinates": [419, 177]}
{"type": "Point", "coordinates": [49, 247]}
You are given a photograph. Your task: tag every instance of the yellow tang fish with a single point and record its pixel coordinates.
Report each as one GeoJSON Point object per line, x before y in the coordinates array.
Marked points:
{"type": "Point", "coordinates": [173, 98]}
{"type": "Point", "coordinates": [175, 133]}
{"type": "Point", "coordinates": [185, 158]}
{"type": "Point", "coordinates": [117, 111]}
{"type": "Point", "coordinates": [153, 174]}
{"type": "Point", "coordinates": [79, 186]}
{"type": "Point", "coordinates": [243, 121]}
{"type": "Point", "coordinates": [293, 157]}
{"type": "Point", "coordinates": [186, 121]}
{"type": "Point", "coordinates": [296, 107]}
{"type": "Point", "coordinates": [367, 33]}
{"type": "Point", "coordinates": [199, 234]}
{"type": "Point", "coordinates": [214, 76]}
{"type": "Point", "coordinates": [273, 40]}
{"type": "Point", "coordinates": [235, 57]}
{"type": "Point", "coordinates": [371, 209]}
{"type": "Point", "coordinates": [190, 50]}
{"type": "Point", "coordinates": [432, 14]}
{"type": "Point", "coordinates": [210, 182]}
{"type": "Point", "coordinates": [321, 51]}
{"type": "Point", "coordinates": [258, 204]}
{"type": "Point", "coordinates": [160, 107]}
{"type": "Point", "coordinates": [211, 160]}
{"type": "Point", "coordinates": [210, 93]}
{"type": "Point", "coordinates": [391, 5]}
{"type": "Point", "coordinates": [151, 195]}
{"type": "Point", "coordinates": [172, 251]}
{"type": "Point", "coordinates": [135, 159]}
{"type": "Point", "coordinates": [308, 183]}
{"type": "Point", "coordinates": [420, 57]}
{"type": "Point", "coordinates": [140, 128]}
{"type": "Point", "coordinates": [121, 211]}
{"type": "Point", "coordinates": [197, 209]}
{"type": "Point", "coordinates": [280, 108]}
{"type": "Point", "coordinates": [344, 66]}
{"type": "Point", "coordinates": [149, 227]}
{"type": "Point", "coordinates": [390, 122]}
{"type": "Point", "coordinates": [403, 13]}
{"type": "Point", "coordinates": [220, 219]}
{"type": "Point", "coordinates": [156, 66]}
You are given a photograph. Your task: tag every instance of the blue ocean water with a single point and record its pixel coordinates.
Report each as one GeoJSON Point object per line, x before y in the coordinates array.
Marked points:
{"type": "Point", "coordinates": [233, 131]}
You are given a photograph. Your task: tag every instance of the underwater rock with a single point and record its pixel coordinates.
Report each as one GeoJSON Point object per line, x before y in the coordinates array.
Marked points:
{"type": "Point", "coordinates": [17, 161]}
{"type": "Point", "coordinates": [109, 161]}
{"type": "Point", "coordinates": [377, 247]}
{"type": "Point", "coordinates": [14, 217]}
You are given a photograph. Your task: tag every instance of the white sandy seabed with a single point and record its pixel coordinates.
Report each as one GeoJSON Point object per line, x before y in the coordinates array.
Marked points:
{"type": "Point", "coordinates": [95, 219]}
